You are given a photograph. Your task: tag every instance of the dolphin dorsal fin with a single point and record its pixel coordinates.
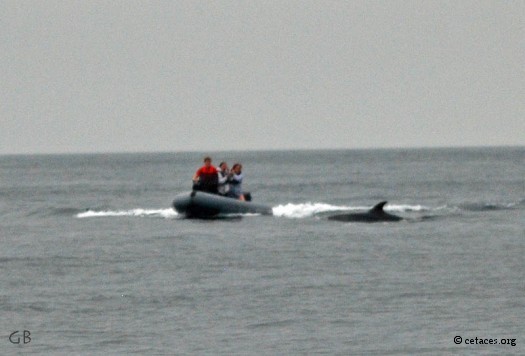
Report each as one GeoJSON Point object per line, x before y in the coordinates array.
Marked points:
{"type": "Point", "coordinates": [378, 208]}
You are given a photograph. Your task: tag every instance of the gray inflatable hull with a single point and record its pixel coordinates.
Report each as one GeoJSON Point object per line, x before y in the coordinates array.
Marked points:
{"type": "Point", "coordinates": [205, 205]}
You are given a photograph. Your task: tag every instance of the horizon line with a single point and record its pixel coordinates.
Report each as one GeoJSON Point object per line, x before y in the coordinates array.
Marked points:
{"type": "Point", "coordinates": [117, 152]}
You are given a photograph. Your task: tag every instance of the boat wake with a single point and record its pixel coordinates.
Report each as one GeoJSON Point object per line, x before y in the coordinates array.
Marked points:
{"type": "Point", "coordinates": [290, 210]}
{"type": "Point", "coordinates": [162, 213]}
{"type": "Point", "coordinates": [305, 210]}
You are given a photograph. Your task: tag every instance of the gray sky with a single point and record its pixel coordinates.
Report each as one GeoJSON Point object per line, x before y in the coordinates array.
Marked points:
{"type": "Point", "coordinates": [100, 76]}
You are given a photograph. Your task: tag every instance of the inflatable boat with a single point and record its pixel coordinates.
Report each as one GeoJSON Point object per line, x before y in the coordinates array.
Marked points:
{"type": "Point", "coordinates": [197, 204]}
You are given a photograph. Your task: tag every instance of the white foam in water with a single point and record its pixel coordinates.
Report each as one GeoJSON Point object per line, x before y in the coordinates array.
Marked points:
{"type": "Point", "coordinates": [401, 208]}
{"type": "Point", "coordinates": [289, 210]}
{"type": "Point", "coordinates": [311, 209]}
{"type": "Point", "coordinates": [307, 209]}
{"type": "Point", "coordinates": [164, 213]}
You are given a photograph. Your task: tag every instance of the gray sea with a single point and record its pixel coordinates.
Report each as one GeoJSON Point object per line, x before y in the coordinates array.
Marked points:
{"type": "Point", "coordinates": [94, 261]}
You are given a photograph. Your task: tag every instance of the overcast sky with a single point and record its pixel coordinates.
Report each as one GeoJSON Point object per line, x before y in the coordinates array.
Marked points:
{"type": "Point", "coordinates": [133, 76]}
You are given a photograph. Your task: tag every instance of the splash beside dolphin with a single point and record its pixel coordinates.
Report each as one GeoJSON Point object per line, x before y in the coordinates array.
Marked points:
{"type": "Point", "coordinates": [376, 214]}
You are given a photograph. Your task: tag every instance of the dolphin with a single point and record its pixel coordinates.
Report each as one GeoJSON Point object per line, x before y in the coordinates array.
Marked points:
{"type": "Point", "coordinates": [376, 214]}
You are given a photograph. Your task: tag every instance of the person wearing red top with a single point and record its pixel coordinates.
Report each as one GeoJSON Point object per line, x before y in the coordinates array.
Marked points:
{"type": "Point", "coordinates": [206, 178]}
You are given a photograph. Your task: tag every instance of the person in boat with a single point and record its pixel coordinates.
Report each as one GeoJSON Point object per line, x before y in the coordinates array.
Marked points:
{"type": "Point", "coordinates": [224, 176]}
{"type": "Point", "coordinates": [206, 178]}
{"type": "Point", "coordinates": [236, 182]}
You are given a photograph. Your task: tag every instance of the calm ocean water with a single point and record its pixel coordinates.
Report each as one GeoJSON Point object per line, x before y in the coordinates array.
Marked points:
{"type": "Point", "coordinates": [94, 261]}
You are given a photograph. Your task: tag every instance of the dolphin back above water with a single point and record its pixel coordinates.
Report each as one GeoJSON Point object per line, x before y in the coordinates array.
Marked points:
{"type": "Point", "coordinates": [376, 214]}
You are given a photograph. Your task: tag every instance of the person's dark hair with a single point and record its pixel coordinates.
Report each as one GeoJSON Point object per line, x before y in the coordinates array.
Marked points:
{"type": "Point", "coordinates": [207, 158]}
